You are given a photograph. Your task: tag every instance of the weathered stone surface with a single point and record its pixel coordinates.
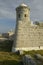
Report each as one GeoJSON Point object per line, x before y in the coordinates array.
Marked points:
{"type": "Point", "coordinates": [27, 35]}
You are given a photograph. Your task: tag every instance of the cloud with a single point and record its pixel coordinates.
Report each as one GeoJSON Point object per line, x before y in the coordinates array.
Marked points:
{"type": "Point", "coordinates": [6, 13]}
{"type": "Point", "coordinates": [7, 8]}
{"type": "Point", "coordinates": [36, 9]}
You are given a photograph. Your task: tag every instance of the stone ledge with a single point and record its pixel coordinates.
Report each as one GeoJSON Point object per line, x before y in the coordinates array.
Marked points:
{"type": "Point", "coordinates": [27, 49]}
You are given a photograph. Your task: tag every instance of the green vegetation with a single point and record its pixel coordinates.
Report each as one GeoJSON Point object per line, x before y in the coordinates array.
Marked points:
{"type": "Point", "coordinates": [6, 45]}
{"type": "Point", "coordinates": [9, 58]}
{"type": "Point", "coordinates": [32, 53]}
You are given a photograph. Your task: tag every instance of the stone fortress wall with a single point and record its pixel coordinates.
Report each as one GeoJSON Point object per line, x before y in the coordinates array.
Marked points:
{"type": "Point", "coordinates": [27, 36]}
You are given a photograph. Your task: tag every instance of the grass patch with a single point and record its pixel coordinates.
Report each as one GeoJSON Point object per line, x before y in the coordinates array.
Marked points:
{"type": "Point", "coordinates": [33, 52]}
{"type": "Point", "coordinates": [9, 58]}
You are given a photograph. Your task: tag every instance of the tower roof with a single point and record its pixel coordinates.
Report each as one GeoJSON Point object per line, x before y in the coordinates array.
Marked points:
{"type": "Point", "coordinates": [23, 5]}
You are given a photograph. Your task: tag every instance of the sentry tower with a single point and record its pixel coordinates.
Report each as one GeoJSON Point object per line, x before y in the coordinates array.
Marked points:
{"type": "Point", "coordinates": [22, 24]}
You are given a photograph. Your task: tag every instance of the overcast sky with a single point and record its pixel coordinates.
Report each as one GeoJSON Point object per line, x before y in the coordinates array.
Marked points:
{"type": "Point", "coordinates": [8, 13]}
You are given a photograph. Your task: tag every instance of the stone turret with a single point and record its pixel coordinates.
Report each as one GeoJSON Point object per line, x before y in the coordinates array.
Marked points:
{"type": "Point", "coordinates": [22, 23]}
{"type": "Point", "coordinates": [23, 13]}
{"type": "Point", "coordinates": [27, 36]}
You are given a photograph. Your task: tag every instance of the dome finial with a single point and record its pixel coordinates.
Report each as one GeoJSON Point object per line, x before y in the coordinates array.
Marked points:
{"type": "Point", "coordinates": [23, 5]}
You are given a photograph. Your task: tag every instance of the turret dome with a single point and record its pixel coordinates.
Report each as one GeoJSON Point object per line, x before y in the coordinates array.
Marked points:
{"type": "Point", "coordinates": [23, 5]}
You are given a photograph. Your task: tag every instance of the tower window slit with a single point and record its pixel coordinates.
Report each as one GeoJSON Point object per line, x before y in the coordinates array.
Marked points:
{"type": "Point", "coordinates": [25, 15]}
{"type": "Point", "coordinates": [19, 15]}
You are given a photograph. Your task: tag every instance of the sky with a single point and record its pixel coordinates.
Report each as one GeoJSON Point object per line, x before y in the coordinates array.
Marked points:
{"type": "Point", "coordinates": [8, 13]}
